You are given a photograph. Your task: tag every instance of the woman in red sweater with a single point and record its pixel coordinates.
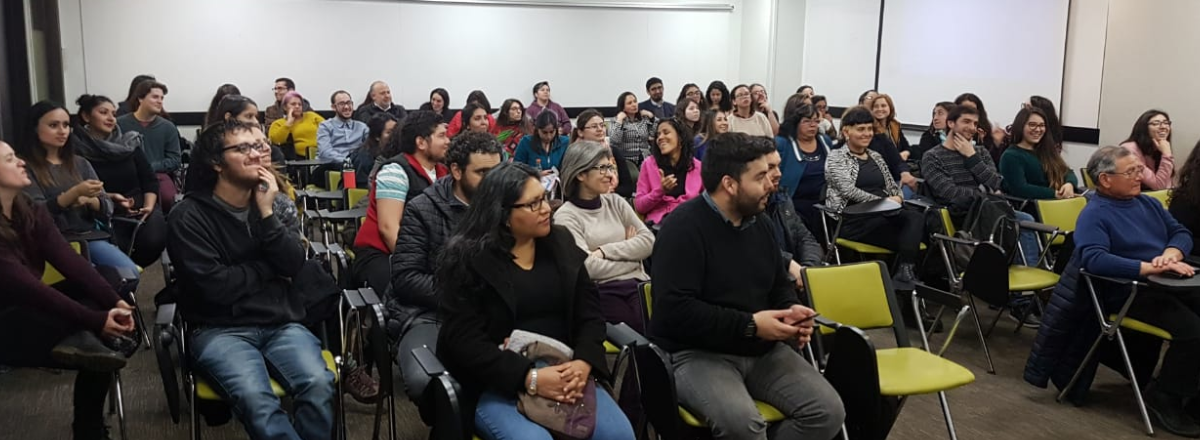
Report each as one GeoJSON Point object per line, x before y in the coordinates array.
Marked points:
{"type": "Point", "coordinates": [61, 325]}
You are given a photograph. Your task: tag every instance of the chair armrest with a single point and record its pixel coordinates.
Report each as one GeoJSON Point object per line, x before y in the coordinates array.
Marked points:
{"type": "Point", "coordinates": [1122, 281]}
{"type": "Point", "coordinates": [622, 335]}
{"type": "Point", "coordinates": [956, 240]}
{"type": "Point", "coordinates": [1193, 260]}
{"type": "Point", "coordinates": [428, 362]}
{"type": "Point", "coordinates": [921, 204]}
{"type": "Point", "coordinates": [939, 296]}
{"type": "Point", "coordinates": [166, 314]}
{"type": "Point", "coordinates": [826, 322]}
{"type": "Point", "coordinates": [1039, 227]}
{"type": "Point", "coordinates": [1017, 202]}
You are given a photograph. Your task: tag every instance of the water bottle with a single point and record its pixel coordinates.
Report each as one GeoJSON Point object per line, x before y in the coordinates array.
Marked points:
{"type": "Point", "coordinates": [348, 175]}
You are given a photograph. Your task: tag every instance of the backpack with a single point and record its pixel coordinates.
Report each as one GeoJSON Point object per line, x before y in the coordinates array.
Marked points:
{"type": "Point", "coordinates": [991, 219]}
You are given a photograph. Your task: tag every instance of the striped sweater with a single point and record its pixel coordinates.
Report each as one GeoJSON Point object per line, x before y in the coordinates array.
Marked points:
{"type": "Point", "coordinates": [841, 173]}
{"type": "Point", "coordinates": [950, 176]}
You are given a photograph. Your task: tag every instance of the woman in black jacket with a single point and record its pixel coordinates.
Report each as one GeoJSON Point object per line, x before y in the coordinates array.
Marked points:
{"type": "Point", "coordinates": [120, 163]}
{"type": "Point", "coordinates": [506, 268]}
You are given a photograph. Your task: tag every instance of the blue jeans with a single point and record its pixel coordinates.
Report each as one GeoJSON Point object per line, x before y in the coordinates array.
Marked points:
{"type": "Point", "coordinates": [1029, 241]}
{"type": "Point", "coordinates": [497, 418]}
{"type": "Point", "coordinates": [104, 253]}
{"type": "Point", "coordinates": [236, 359]}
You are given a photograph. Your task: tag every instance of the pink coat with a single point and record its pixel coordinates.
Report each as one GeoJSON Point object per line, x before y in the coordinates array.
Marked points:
{"type": "Point", "coordinates": [1151, 178]}
{"type": "Point", "coordinates": [652, 202]}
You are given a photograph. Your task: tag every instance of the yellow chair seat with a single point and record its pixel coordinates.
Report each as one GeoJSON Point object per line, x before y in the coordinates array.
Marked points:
{"type": "Point", "coordinates": [1022, 278]}
{"type": "Point", "coordinates": [769, 413]}
{"type": "Point", "coordinates": [864, 248]}
{"type": "Point", "coordinates": [610, 349]}
{"type": "Point", "coordinates": [1142, 327]}
{"type": "Point", "coordinates": [909, 371]}
{"type": "Point", "coordinates": [205, 392]}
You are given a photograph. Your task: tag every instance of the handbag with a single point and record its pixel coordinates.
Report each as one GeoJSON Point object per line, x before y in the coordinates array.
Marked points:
{"type": "Point", "coordinates": [577, 420]}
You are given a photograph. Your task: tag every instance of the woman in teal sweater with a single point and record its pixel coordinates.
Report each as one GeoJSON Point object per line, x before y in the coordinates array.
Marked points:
{"type": "Point", "coordinates": [1032, 167]}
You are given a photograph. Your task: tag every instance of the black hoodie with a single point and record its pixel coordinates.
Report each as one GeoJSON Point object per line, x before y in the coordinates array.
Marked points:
{"type": "Point", "coordinates": [230, 272]}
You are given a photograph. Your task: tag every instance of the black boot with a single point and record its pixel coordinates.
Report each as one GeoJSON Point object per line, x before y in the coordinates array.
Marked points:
{"type": "Point", "coordinates": [904, 279]}
{"type": "Point", "coordinates": [85, 351]}
{"type": "Point", "coordinates": [1167, 411]}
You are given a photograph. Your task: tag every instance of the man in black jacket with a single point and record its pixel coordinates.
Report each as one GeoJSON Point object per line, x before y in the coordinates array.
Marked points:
{"type": "Point", "coordinates": [726, 309]}
{"type": "Point", "coordinates": [235, 261]}
{"type": "Point", "coordinates": [428, 222]}
{"type": "Point", "coordinates": [800, 249]}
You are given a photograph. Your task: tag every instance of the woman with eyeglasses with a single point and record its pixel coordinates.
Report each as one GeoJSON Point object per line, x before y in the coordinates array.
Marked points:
{"type": "Point", "coordinates": [670, 176]}
{"type": "Point", "coordinates": [544, 149]}
{"type": "Point", "coordinates": [608, 229]}
{"type": "Point", "coordinates": [803, 151]}
{"type": "Point", "coordinates": [692, 92]}
{"type": "Point", "coordinates": [1150, 142]}
{"type": "Point", "coordinates": [745, 118]}
{"type": "Point", "coordinates": [297, 128]}
{"type": "Point", "coordinates": [1032, 166]}
{"type": "Point", "coordinates": [758, 98]}
{"type": "Point", "coordinates": [592, 127]}
{"type": "Point", "coordinates": [512, 125]}
{"type": "Point", "coordinates": [507, 268]}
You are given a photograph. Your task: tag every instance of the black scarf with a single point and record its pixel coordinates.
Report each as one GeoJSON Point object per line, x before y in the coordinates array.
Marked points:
{"type": "Point", "coordinates": [680, 171]}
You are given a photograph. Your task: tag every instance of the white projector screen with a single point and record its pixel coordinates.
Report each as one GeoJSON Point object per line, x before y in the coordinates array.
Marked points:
{"type": "Point", "coordinates": [1002, 50]}
{"type": "Point", "coordinates": [839, 48]}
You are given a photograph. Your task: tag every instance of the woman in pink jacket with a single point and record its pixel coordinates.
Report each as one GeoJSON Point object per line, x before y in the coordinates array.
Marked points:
{"type": "Point", "coordinates": [671, 175]}
{"type": "Point", "coordinates": [1150, 141]}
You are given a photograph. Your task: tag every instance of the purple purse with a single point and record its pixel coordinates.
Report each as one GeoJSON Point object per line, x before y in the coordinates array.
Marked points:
{"type": "Point", "coordinates": [576, 421]}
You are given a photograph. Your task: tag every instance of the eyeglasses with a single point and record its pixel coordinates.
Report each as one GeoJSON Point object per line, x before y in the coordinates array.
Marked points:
{"type": "Point", "coordinates": [741, 95]}
{"type": "Point", "coordinates": [279, 89]}
{"type": "Point", "coordinates": [1136, 171]}
{"type": "Point", "coordinates": [600, 126]}
{"type": "Point", "coordinates": [344, 104]}
{"type": "Point", "coordinates": [533, 206]}
{"type": "Point", "coordinates": [1035, 126]}
{"type": "Point", "coordinates": [1160, 123]}
{"type": "Point", "coordinates": [693, 93]}
{"type": "Point", "coordinates": [246, 147]}
{"type": "Point", "coordinates": [604, 169]}
{"type": "Point", "coordinates": [807, 121]}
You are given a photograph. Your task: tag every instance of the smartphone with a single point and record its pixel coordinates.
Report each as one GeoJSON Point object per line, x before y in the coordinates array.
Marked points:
{"type": "Point", "coordinates": [810, 318]}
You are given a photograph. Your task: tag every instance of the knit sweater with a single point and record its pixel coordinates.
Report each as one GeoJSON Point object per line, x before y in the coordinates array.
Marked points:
{"type": "Point", "coordinates": [70, 219]}
{"type": "Point", "coordinates": [302, 132]}
{"type": "Point", "coordinates": [1024, 176]}
{"type": "Point", "coordinates": [950, 176]}
{"type": "Point", "coordinates": [160, 141]}
{"type": "Point", "coordinates": [756, 125]}
{"type": "Point", "coordinates": [1115, 236]}
{"type": "Point", "coordinates": [604, 227]}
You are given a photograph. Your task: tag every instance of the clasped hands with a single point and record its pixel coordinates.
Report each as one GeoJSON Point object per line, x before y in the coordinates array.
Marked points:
{"type": "Point", "coordinates": [562, 383]}
{"type": "Point", "coordinates": [794, 322]}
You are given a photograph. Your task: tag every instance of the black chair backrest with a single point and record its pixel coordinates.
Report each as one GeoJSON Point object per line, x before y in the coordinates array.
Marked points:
{"type": "Point", "coordinates": [986, 276]}
{"type": "Point", "coordinates": [659, 399]}
{"type": "Point", "coordinates": [853, 371]}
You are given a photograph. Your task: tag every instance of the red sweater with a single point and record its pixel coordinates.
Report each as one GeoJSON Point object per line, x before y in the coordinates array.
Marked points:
{"type": "Point", "coordinates": [454, 125]}
{"type": "Point", "coordinates": [22, 270]}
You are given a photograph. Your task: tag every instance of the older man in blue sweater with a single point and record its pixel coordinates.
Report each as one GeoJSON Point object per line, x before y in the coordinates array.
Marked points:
{"type": "Point", "coordinates": [1124, 234]}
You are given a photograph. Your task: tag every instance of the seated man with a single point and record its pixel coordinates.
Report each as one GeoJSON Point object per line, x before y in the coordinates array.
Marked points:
{"type": "Point", "coordinates": [799, 247]}
{"type": "Point", "coordinates": [1124, 234]}
{"type": "Point", "coordinates": [427, 223]}
{"type": "Point", "coordinates": [726, 310]}
{"type": "Point", "coordinates": [341, 135]}
{"type": "Point", "coordinates": [235, 261]}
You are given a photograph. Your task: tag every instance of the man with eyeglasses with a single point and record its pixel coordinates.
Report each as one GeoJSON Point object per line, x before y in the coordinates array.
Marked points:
{"type": "Point", "coordinates": [276, 110]}
{"type": "Point", "coordinates": [338, 137]}
{"type": "Point", "coordinates": [235, 261]}
{"type": "Point", "coordinates": [656, 105]}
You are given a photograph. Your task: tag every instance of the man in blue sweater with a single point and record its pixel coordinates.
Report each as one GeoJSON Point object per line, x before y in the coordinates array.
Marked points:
{"type": "Point", "coordinates": [726, 310]}
{"type": "Point", "coordinates": [1124, 234]}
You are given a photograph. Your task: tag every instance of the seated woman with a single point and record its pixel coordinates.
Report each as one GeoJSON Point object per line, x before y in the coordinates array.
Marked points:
{"type": "Point", "coordinates": [505, 269]}
{"type": "Point", "coordinates": [1032, 166]}
{"type": "Point", "coordinates": [745, 118]}
{"type": "Point", "coordinates": [717, 97]}
{"type": "Point", "coordinates": [631, 130]}
{"type": "Point", "coordinates": [857, 174]}
{"type": "Point", "coordinates": [592, 127]}
{"type": "Point", "coordinates": [379, 130]}
{"type": "Point", "coordinates": [607, 228]}
{"type": "Point", "coordinates": [59, 326]}
{"type": "Point", "coordinates": [541, 102]}
{"type": "Point", "coordinates": [298, 128]}
{"type": "Point", "coordinates": [544, 149]}
{"type": "Point", "coordinates": [884, 112]}
{"type": "Point", "coordinates": [712, 123]}
{"type": "Point", "coordinates": [212, 115]}
{"type": "Point", "coordinates": [935, 135]}
{"type": "Point", "coordinates": [690, 91]}
{"type": "Point", "coordinates": [804, 152]}
{"type": "Point", "coordinates": [1150, 142]}
{"type": "Point", "coordinates": [511, 126]}
{"type": "Point", "coordinates": [67, 184]}
{"type": "Point", "coordinates": [670, 176]}
{"type": "Point", "coordinates": [439, 100]}
{"type": "Point", "coordinates": [476, 115]}
{"type": "Point", "coordinates": [244, 109]}
{"type": "Point", "coordinates": [128, 178]}
{"type": "Point", "coordinates": [687, 112]}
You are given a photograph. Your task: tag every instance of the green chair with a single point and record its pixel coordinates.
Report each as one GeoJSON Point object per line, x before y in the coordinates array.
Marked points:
{"type": "Point", "coordinates": [1162, 195]}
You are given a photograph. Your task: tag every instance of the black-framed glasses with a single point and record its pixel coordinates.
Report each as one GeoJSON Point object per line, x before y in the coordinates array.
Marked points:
{"type": "Point", "coordinates": [533, 206]}
{"type": "Point", "coordinates": [604, 169]}
{"type": "Point", "coordinates": [1160, 123]}
{"type": "Point", "coordinates": [245, 148]}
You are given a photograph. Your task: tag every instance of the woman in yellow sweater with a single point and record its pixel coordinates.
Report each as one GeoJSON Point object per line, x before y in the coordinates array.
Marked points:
{"type": "Point", "coordinates": [298, 128]}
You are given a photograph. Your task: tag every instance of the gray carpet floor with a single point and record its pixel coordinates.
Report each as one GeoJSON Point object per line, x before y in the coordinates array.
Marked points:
{"type": "Point", "coordinates": [36, 404]}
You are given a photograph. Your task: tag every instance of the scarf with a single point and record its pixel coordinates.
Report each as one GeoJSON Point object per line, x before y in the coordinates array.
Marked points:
{"type": "Point", "coordinates": [116, 147]}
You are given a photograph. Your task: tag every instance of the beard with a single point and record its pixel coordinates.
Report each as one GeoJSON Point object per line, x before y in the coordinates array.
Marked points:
{"type": "Point", "coordinates": [749, 206]}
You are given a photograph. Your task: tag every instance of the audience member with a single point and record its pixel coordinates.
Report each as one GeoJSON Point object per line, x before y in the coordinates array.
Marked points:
{"type": "Point", "coordinates": [806, 90]}
{"type": "Point", "coordinates": [884, 112]}
{"type": "Point", "coordinates": [591, 127]}
{"type": "Point", "coordinates": [712, 123]}
{"type": "Point", "coordinates": [726, 310]}
{"type": "Point", "coordinates": [1122, 233]}
{"type": "Point", "coordinates": [608, 229]}
{"type": "Point", "coordinates": [692, 92]}
{"type": "Point", "coordinates": [631, 133]}
{"type": "Point", "coordinates": [496, 273]}
{"type": "Point", "coordinates": [758, 97]}
{"type": "Point", "coordinates": [222, 91]}
{"type": "Point", "coordinates": [512, 125]}
{"type": "Point", "coordinates": [439, 99]}
{"type": "Point", "coordinates": [379, 131]}
{"type": "Point", "coordinates": [1032, 167]}
{"type": "Point", "coordinates": [717, 97]}
{"type": "Point", "coordinates": [131, 99]}
{"type": "Point", "coordinates": [541, 101]}
{"type": "Point", "coordinates": [413, 162]}
{"type": "Point", "coordinates": [59, 326]}
{"type": "Point", "coordinates": [655, 104]}
{"type": "Point", "coordinates": [745, 118]}
{"type": "Point", "coordinates": [341, 136]}
{"type": "Point", "coordinates": [544, 149]}
{"type": "Point", "coordinates": [670, 176]}
{"type": "Point", "coordinates": [1184, 200]}
{"type": "Point", "coordinates": [428, 223]}
{"type": "Point", "coordinates": [983, 135]}
{"type": "Point", "coordinates": [866, 98]}
{"type": "Point", "coordinates": [244, 109]}
{"type": "Point", "coordinates": [1054, 127]}
{"type": "Point", "coordinates": [379, 100]}
{"type": "Point", "coordinates": [688, 114]}
{"type": "Point", "coordinates": [160, 138]}
{"type": "Point", "coordinates": [67, 184]}
{"type": "Point", "coordinates": [799, 247]}
{"type": "Point", "coordinates": [935, 135]}
{"type": "Point", "coordinates": [240, 273]}
{"type": "Point", "coordinates": [481, 112]}
{"type": "Point", "coordinates": [803, 153]}
{"type": "Point", "coordinates": [1150, 142]}
{"type": "Point", "coordinates": [858, 175]}
{"type": "Point", "coordinates": [119, 162]}
{"type": "Point", "coordinates": [278, 110]}
{"type": "Point", "coordinates": [297, 131]}
{"type": "Point", "coordinates": [822, 106]}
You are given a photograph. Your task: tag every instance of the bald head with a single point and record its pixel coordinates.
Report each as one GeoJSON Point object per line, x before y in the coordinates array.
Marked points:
{"type": "Point", "coordinates": [381, 94]}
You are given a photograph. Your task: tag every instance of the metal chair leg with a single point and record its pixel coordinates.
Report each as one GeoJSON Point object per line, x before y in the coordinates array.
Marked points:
{"type": "Point", "coordinates": [946, 414]}
{"type": "Point", "coordinates": [120, 403]}
{"type": "Point", "coordinates": [1079, 371]}
{"type": "Point", "coordinates": [979, 331]}
{"type": "Point", "coordinates": [1137, 390]}
{"type": "Point", "coordinates": [195, 414]}
{"type": "Point", "coordinates": [958, 318]}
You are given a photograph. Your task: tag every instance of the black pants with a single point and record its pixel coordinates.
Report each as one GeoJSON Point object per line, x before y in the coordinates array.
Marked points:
{"type": "Point", "coordinates": [151, 237]}
{"type": "Point", "coordinates": [373, 267]}
{"type": "Point", "coordinates": [40, 332]}
{"type": "Point", "coordinates": [900, 232]}
{"type": "Point", "coordinates": [1177, 312]}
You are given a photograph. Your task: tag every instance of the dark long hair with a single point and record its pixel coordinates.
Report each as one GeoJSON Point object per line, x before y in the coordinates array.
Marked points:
{"type": "Point", "coordinates": [130, 98]}
{"type": "Point", "coordinates": [1144, 139]}
{"type": "Point", "coordinates": [681, 114]}
{"type": "Point", "coordinates": [789, 127]}
{"type": "Point", "coordinates": [945, 105]}
{"type": "Point", "coordinates": [683, 93]}
{"type": "Point", "coordinates": [469, 111]}
{"type": "Point", "coordinates": [637, 115]}
{"type": "Point", "coordinates": [34, 153]}
{"type": "Point", "coordinates": [483, 229]}
{"type": "Point", "coordinates": [375, 128]}
{"type": "Point", "coordinates": [445, 100]}
{"type": "Point", "coordinates": [1054, 126]}
{"type": "Point", "coordinates": [479, 97]}
{"type": "Point", "coordinates": [233, 105]}
{"type": "Point", "coordinates": [687, 148]}
{"type": "Point", "coordinates": [582, 121]}
{"type": "Point", "coordinates": [222, 92]}
{"type": "Point", "coordinates": [86, 104]}
{"type": "Point", "coordinates": [1045, 150]}
{"type": "Point", "coordinates": [503, 120]}
{"type": "Point", "coordinates": [726, 102]}
{"type": "Point", "coordinates": [1188, 191]}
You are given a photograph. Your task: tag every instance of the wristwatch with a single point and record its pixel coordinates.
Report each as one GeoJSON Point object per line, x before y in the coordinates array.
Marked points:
{"type": "Point", "coordinates": [751, 329]}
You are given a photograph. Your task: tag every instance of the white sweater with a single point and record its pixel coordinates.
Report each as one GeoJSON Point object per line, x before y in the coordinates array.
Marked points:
{"type": "Point", "coordinates": [605, 229]}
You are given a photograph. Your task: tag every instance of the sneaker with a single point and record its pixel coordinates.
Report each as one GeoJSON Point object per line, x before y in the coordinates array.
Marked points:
{"type": "Point", "coordinates": [904, 279]}
{"type": "Point", "coordinates": [85, 351]}
{"type": "Point", "coordinates": [1024, 311]}
{"type": "Point", "coordinates": [361, 386]}
{"type": "Point", "coordinates": [1167, 412]}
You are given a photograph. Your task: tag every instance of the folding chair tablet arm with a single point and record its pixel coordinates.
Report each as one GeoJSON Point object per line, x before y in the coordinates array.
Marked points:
{"type": "Point", "coordinates": [166, 334]}
{"type": "Point", "coordinates": [442, 399]}
{"type": "Point", "coordinates": [622, 335]}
